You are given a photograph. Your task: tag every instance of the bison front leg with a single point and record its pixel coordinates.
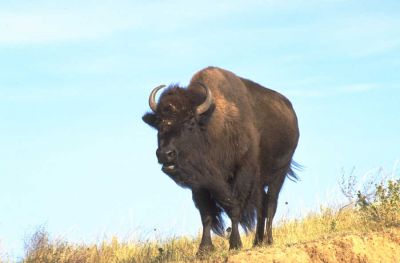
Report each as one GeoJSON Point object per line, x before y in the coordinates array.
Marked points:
{"type": "Point", "coordinates": [225, 197]}
{"type": "Point", "coordinates": [246, 191]}
{"type": "Point", "coordinates": [209, 213]}
{"type": "Point", "coordinates": [234, 241]}
{"type": "Point", "coordinates": [239, 200]}
{"type": "Point", "coordinates": [232, 208]}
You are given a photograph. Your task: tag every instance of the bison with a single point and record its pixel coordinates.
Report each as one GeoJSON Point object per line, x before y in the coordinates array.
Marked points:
{"type": "Point", "coordinates": [227, 139]}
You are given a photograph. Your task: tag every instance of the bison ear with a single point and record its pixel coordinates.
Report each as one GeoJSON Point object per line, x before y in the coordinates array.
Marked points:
{"type": "Point", "coordinates": [205, 117]}
{"type": "Point", "coordinates": [150, 119]}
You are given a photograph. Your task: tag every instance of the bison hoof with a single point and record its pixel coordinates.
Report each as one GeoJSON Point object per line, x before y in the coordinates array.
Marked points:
{"type": "Point", "coordinates": [235, 245]}
{"type": "Point", "coordinates": [257, 243]}
{"type": "Point", "coordinates": [205, 249]}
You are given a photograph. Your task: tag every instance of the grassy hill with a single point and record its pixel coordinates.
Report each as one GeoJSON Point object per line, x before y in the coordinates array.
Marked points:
{"type": "Point", "coordinates": [367, 231]}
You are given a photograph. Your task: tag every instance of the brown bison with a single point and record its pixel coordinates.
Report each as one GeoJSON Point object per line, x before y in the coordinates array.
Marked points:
{"type": "Point", "coordinates": [228, 139]}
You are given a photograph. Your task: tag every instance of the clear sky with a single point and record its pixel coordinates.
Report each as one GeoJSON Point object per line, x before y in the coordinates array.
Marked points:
{"type": "Point", "coordinates": [75, 156]}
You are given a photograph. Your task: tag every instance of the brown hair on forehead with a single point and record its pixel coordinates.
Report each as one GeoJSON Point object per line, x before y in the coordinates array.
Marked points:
{"type": "Point", "coordinates": [175, 104]}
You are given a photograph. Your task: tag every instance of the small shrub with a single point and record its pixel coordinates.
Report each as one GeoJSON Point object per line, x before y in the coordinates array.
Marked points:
{"type": "Point", "coordinates": [383, 208]}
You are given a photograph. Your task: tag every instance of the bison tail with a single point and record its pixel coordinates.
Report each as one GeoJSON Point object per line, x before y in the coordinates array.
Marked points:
{"type": "Point", "coordinates": [218, 225]}
{"type": "Point", "coordinates": [248, 219]}
{"type": "Point", "coordinates": [294, 166]}
{"type": "Point", "coordinates": [249, 214]}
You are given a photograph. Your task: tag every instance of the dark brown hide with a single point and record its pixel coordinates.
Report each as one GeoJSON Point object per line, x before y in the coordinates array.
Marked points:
{"type": "Point", "coordinates": [228, 156]}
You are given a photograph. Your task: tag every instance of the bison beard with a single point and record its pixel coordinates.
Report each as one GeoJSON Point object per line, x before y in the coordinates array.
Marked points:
{"type": "Point", "coordinates": [227, 139]}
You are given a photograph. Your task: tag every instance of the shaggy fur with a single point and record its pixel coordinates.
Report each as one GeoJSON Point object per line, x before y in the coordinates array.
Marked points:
{"type": "Point", "coordinates": [228, 155]}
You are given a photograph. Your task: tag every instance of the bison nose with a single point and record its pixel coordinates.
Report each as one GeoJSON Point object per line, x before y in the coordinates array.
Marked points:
{"type": "Point", "coordinates": [171, 154]}
{"type": "Point", "coordinates": [167, 156]}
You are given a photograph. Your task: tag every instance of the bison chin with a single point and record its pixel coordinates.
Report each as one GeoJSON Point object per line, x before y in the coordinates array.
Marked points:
{"type": "Point", "coordinates": [183, 174]}
{"type": "Point", "coordinates": [172, 171]}
{"type": "Point", "coordinates": [169, 168]}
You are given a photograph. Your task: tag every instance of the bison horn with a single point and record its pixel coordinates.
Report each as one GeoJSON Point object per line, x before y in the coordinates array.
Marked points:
{"type": "Point", "coordinates": [152, 97]}
{"type": "Point", "coordinates": [207, 103]}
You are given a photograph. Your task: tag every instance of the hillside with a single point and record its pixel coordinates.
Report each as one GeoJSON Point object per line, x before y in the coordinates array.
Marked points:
{"type": "Point", "coordinates": [368, 231]}
{"type": "Point", "coordinates": [373, 246]}
{"type": "Point", "coordinates": [383, 246]}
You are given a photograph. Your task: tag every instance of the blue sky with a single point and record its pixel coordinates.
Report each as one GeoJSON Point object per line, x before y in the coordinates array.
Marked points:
{"type": "Point", "coordinates": [75, 77]}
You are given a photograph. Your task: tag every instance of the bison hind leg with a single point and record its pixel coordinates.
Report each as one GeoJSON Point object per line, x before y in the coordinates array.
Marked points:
{"type": "Point", "coordinates": [261, 215]}
{"type": "Point", "coordinates": [273, 193]}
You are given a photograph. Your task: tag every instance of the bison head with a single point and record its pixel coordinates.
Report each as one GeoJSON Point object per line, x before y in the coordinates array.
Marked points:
{"type": "Point", "coordinates": [180, 118]}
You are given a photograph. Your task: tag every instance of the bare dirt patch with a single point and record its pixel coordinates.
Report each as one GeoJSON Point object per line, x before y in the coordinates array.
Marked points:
{"type": "Point", "coordinates": [373, 247]}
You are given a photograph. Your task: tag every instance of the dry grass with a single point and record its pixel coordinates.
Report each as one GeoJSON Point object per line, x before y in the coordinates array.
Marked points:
{"type": "Point", "coordinates": [327, 224]}
{"type": "Point", "coordinates": [315, 226]}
